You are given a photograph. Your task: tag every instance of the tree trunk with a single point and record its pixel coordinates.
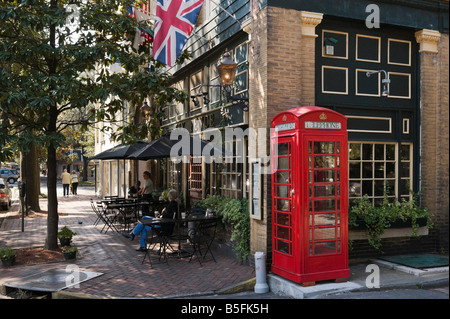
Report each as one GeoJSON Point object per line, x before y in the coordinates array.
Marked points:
{"type": "Point", "coordinates": [52, 214]}
{"type": "Point", "coordinates": [30, 175]}
{"type": "Point", "coordinates": [52, 200]}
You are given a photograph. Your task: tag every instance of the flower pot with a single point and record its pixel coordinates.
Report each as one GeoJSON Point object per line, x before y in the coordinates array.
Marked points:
{"type": "Point", "coordinates": [65, 241]}
{"type": "Point", "coordinates": [69, 255]}
{"type": "Point", "coordinates": [9, 262]}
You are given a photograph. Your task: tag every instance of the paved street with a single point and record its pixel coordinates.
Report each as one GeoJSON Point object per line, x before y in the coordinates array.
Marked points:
{"type": "Point", "coordinates": [124, 275]}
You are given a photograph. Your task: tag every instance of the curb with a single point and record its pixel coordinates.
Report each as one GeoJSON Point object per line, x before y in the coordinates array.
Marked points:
{"type": "Point", "coordinates": [247, 285]}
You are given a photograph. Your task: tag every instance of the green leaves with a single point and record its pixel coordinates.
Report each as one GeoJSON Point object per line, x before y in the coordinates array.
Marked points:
{"type": "Point", "coordinates": [235, 213]}
{"type": "Point", "coordinates": [378, 218]}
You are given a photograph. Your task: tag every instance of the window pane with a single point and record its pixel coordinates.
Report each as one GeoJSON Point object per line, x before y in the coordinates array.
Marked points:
{"type": "Point", "coordinates": [379, 170]}
{"type": "Point", "coordinates": [283, 177]}
{"type": "Point", "coordinates": [390, 152]}
{"type": "Point", "coordinates": [283, 247]}
{"type": "Point", "coordinates": [283, 191]}
{"type": "Point", "coordinates": [355, 170]}
{"type": "Point", "coordinates": [324, 205]}
{"type": "Point", "coordinates": [283, 219]}
{"type": "Point", "coordinates": [379, 188]}
{"type": "Point", "coordinates": [355, 152]}
{"type": "Point", "coordinates": [324, 190]}
{"type": "Point", "coordinates": [367, 152]}
{"type": "Point", "coordinates": [324, 162]}
{"type": "Point", "coordinates": [367, 170]}
{"type": "Point", "coordinates": [323, 147]}
{"type": "Point", "coordinates": [405, 169]}
{"type": "Point", "coordinates": [324, 248]}
{"type": "Point", "coordinates": [324, 219]}
{"type": "Point", "coordinates": [283, 233]}
{"type": "Point", "coordinates": [283, 162]}
{"type": "Point", "coordinates": [355, 189]}
{"type": "Point", "coordinates": [324, 176]}
{"type": "Point", "coordinates": [324, 233]}
{"type": "Point", "coordinates": [404, 152]}
{"type": "Point", "coordinates": [367, 188]}
{"type": "Point", "coordinates": [379, 152]}
{"type": "Point", "coordinates": [283, 149]}
{"type": "Point", "coordinates": [283, 205]}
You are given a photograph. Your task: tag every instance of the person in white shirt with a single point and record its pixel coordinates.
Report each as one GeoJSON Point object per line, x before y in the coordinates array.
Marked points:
{"type": "Point", "coordinates": [74, 177]}
{"type": "Point", "coordinates": [146, 191]}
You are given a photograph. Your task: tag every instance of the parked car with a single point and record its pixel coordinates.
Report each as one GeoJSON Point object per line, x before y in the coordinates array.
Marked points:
{"type": "Point", "coordinates": [5, 195]}
{"type": "Point", "coordinates": [9, 175]}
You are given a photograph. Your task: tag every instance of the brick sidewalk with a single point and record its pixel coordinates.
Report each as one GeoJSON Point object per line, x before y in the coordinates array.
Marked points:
{"type": "Point", "coordinates": [113, 255]}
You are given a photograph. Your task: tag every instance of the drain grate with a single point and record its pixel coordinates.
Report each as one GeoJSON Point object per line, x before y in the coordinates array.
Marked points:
{"type": "Point", "coordinates": [53, 280]}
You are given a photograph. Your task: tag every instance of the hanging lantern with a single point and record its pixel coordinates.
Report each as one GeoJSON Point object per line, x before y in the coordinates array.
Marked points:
{"type": "Point", "coordinates": [227, 69]}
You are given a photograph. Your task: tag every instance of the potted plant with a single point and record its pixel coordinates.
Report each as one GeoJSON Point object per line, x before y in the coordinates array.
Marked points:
{"type": "Point", "coordinates": [69, 252]}
{"type": "Point", "coordinates": [65, 236]}
{"type": "Point", "coordinates": [8, 256]}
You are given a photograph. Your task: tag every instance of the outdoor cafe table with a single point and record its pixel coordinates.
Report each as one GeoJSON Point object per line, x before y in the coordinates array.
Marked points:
{"type": "Point", "coordinates": [126, 209]}
{"type": "Point", "coordinates": [178, 221]}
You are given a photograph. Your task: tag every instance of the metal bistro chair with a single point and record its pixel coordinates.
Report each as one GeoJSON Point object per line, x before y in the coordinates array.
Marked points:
{"type": "Point", "coordinates": [202, 239]}
{"type": "Point", "coordinates": [159, 236]}
{"type": "Point", "coordinates": [107, 219]}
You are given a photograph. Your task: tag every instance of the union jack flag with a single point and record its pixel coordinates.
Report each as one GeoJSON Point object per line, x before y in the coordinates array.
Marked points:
{"type": "Point", "coordinates": [175, 20]}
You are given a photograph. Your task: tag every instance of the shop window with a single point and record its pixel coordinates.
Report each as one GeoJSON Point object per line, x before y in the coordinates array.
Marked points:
{"type": "Point", "coordinates": [196, 82]}
{"type": "Point", "coordinates": [233, 170]}
{"type": "Point", "coordinates": [375, 166]}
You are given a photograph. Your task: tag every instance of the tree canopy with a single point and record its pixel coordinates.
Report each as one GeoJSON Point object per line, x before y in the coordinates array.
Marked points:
{"type": "Point", "coordinates": [55, 59]}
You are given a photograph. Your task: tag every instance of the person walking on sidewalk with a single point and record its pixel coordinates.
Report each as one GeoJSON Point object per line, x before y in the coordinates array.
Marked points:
{"type": "Point", "coordinates": [66, 180]}
{"type": "Point", "coordinates": [74, 178]}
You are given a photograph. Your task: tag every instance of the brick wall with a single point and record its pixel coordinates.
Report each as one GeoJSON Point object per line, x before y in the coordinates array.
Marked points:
{"type": "Point", "coordinates": [434, 138]}
{"type": "Point", "coordinates": [282, 73]}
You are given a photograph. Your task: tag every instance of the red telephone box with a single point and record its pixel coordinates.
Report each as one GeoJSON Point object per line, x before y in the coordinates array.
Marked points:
{"type": "Point", "coordinates": [310, 195]}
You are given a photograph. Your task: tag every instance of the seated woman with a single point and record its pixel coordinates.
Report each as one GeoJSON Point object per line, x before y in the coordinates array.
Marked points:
{"type": "Point", "coordinates": [134, 190]}
{"type": "Point", "coordinates": [169, 212]}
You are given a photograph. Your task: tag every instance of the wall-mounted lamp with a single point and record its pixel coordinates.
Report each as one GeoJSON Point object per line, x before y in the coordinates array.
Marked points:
{"type": "Point", "coordinates": [227, 69]}
{"type": "Point", "coordinates": [227, 72]}
{"type": "Point", "coordinates": [384, 82]}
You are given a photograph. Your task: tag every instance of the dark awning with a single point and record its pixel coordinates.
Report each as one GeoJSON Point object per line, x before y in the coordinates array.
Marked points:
{"type": "Point", "coordinates": [121, 151]}
{"type": "Point", "coordinates": [162, 148]}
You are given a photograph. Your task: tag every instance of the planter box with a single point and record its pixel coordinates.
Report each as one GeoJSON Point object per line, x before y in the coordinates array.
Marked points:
{"type": "Point", "coordinates": [422, 222]}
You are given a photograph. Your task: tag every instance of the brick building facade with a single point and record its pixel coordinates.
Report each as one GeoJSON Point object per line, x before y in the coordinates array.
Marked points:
{"type": "Point", "coordinates": [284, 62]}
